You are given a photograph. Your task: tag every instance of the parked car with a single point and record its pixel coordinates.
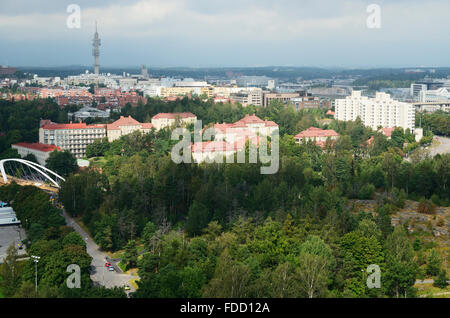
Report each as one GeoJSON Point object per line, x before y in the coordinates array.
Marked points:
{"type": "Point", "coordinates": [111, 269]}
{"type": "Point", "coordinates": [127, 287]}
{"type": "Point", "coordinates": [108, 264]}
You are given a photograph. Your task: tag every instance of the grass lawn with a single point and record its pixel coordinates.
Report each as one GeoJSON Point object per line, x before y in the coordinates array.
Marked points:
{"type": "Point", "coordinates": [117, 254]}
{"type": "Point", "coordinates": [133, 283]}
{"type": "Point", "coordinates": [429, 291]}
{"type": "Point", "coordinates": [123, 267]}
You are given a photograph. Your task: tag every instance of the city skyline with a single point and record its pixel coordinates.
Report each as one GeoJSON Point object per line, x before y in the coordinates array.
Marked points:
{"type": "Point", "coordinates": [185, 33]}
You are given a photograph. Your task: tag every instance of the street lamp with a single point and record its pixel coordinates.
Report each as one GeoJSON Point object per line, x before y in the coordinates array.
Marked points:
{"type": "Point", "coordinates": [36, 261]}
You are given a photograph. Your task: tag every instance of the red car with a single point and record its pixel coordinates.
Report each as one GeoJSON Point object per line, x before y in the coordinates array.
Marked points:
{"type": "Point", "coordinates": [108, 264]}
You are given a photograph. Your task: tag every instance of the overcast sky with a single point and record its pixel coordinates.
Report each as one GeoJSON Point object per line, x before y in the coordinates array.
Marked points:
{"type": "Point", "coordinates": [204, 33]}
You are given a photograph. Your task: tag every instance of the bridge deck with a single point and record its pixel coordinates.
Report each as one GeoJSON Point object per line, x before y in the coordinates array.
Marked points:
{"type": "Point", "coordinates": [22, 182]}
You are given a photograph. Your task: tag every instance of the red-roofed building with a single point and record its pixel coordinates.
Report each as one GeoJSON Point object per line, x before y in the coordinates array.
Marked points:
{"type": "Point", "coordinates": [163, 120]}
{"type": "Point", "coordinates": [318, 135]}
{"type": "Point", "coordinates": [249, 125]}
{"type": "Point", "coordinates": [211, 150]}
{"type": "Point", "coordinates": [388, 132]}
{"type": "Point", "coordinates": [74, 137]}
{"type": "Point", "coordinates": [125, 126]}
{"type": "Point", "coordinates": [40, 151]}
{"type": "Point", "coordinates": [131, 98]}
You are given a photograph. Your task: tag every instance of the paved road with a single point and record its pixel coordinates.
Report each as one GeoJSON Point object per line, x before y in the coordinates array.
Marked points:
{"type": "Point", "coordinates": [8, 235]}
{"type": "Point", "coordinates": [442, 148]}
{"type": "Point", "coordinates": [427, 281]}
{"type": "Point", "coordinates": [99, 273]}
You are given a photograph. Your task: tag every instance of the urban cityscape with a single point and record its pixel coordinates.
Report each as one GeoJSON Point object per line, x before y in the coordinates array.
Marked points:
{"type": "Point", "coordinates": [170, 180]}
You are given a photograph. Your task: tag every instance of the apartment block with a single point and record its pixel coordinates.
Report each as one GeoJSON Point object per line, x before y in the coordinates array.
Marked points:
{"type": "Point", "coordinates": [374, 112]}
{"type": "Point", "coordinates": [73, 137]}
{"type": "Point", "coordinates": [283, 97]}
{"type": "Point", "coordinates": [248, 97]}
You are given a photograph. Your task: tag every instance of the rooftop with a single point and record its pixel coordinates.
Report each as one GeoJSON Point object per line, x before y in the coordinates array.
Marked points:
{"type": "Point", "coordinates": [316, 132]}
{"type": "Point", "coordinates": [37, 146]}
{"type": "Point", "coordinates": [173, 115]}
{"type": "Point", "coordinates": [123, 121]}
{"type": "Point", "coordinates": [244, 122]}
{"type": "Point", "coordinates": [53, 126]}
{"type": "Point", "coordinates": [388, 131]}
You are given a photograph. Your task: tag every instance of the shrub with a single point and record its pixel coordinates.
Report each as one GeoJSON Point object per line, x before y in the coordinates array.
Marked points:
{"type": "Point", "coordinates": [367, 192]}
{"type": "Point", "coordinates": [426, 207]}
{"type": "Point", "coordinates": [441, 280]}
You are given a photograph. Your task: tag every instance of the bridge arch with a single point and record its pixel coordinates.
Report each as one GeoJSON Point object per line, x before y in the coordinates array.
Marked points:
{"type": "Point", "coordinates": [42, 170]}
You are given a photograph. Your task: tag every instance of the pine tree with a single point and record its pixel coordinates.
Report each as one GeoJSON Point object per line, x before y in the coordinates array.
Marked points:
{"type": "Point", "coordinates": [433, 264]}
{"type": "Point", "coordinates": [441, 280]}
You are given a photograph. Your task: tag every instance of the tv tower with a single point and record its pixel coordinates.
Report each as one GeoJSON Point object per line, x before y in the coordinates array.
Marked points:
{"type": "Point", "coordinates": [96, 50]}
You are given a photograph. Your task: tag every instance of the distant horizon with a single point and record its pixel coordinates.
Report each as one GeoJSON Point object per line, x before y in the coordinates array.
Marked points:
{"type": "Point", "coordinates": [230, 66]}
{"type": "Point", "coordinates": [233, 33]}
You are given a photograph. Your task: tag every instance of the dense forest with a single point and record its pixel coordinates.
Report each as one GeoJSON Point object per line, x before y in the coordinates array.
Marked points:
{"type": "Point", "coordinates": [19, 121]}
{"type": "Point", "coordinates": [225, 230]}
{"type": "Point", "coordinates": [438, 122]}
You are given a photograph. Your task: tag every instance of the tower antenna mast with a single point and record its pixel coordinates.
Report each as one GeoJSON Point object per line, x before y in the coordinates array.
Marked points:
{"type": "Point", "coordinates": [96, 42]}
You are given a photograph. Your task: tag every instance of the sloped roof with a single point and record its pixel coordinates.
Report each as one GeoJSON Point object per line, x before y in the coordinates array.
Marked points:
{"type": "Point", "coordinates": [54, 126]}
{"type": "Point", "coordinates": [316, 132]}
{"type": "Point", "coordinates": [244, 122]}
{"type": "Point", "coordinates": [38, 146]}
{"type": "Point", "coordinates": [123, 121]}
{"type": "Point", "coordinates": [173, 115]}
{"type": "Point", "coordinates": [251, 119]}
{"type": "Point", "coordinates": [388, 131]}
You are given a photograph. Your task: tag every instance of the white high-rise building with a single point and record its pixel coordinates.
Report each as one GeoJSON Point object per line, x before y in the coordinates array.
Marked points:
{"type": "Point", "coordinates": [375, 112]}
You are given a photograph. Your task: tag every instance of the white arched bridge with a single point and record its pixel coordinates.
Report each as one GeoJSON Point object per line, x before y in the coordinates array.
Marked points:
{"type": "Point", "coordinates": [20, 169]}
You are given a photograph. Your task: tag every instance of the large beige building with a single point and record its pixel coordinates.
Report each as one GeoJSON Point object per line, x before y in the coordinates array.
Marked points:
{"type": "Point", "coordinates": [181, 91]}
{"type": "Point", "coordinates": [125, 126]}
{"type": "Point", "coordinates": [74, 137]}
{"type": "Point", "coordinates": [248, 126]}
{"type": "Point", "coordinates": [246, 98]}
{"type": "Point", "coordinates": [375, 112]}
{"type": "Point", "coordinates": [163, 120]}
{"type": "Point", "coordinates": [283, 97]}
{"type": "Point", "coordinates": [318, 135]}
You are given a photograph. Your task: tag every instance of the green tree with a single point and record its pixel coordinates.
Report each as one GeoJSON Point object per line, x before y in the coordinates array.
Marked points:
{"type": "Point", "coordinates": [231, 279]}
{"type": "Point", "coordinates": [314, 265]}
{"type": "Point", "coordinates": [441, 281]}
{"type": "Point", "coordinates": [26, 290]}
{"type": "Point", "coordinates": [401, 267]}
{"type": "Point", "coordinates": [73, 238]}
{"type": "Point", "coordinates": [434, 263]}
{"type": "Point", "coordinates": [358, 250]}
{"type": "Point", "coordinates": [62, 162]}
{"type": "Point", "coordinates": [55, 266]}
{"type": "Point", "coordinates": [130, 256]}
{"type": "Point", "coordinates": [9, 272]}
{"type": "Point", "coordinates": [198, 219]}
